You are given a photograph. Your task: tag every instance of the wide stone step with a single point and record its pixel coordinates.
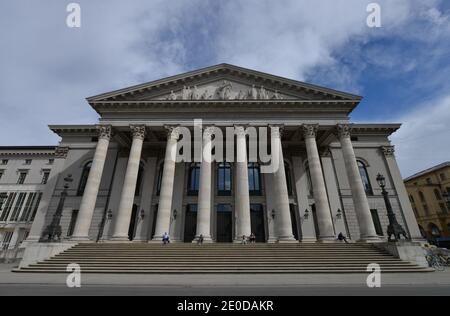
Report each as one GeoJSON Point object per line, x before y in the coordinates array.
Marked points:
{"type": "Point", "coordinates": [222, 259]}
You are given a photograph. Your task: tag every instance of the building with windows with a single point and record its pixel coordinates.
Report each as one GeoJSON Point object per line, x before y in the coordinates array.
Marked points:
{"type": "Point", "coordinates": [428, 192]}
{"type": "Point", "coordinates": [129, 187]}
{"type": "Point", "coordinates": [24, 172]}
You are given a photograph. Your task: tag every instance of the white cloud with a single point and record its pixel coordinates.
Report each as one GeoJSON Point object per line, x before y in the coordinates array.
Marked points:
{"type": "Point", "coordinates": [423, 140]}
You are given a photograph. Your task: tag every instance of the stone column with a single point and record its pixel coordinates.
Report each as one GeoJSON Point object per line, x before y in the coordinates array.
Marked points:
{"type": "Point", "coordinates": [402, 194]}
{"type": "Point", "coordinates": [83, 224]}
{"type": "Point", "coordinates": [123, 217]}
{"type": "Point", "coordinates": [324, 220]}
{"type": "Point", "coordinates": [242, 197]}
{"type": "Point", "coordinates": [282, 218]}
{"type": "Point", "coordinates": [333, 194]}
{"type": "Point", "coordinates": [204, 192]}
{"type": "Point", "coordinates": [362, 209]}
{"type": "Point", "coordinates": [165, 196]}
{"type": "Point", "coordinates": [39, 220]}
{"type": "Point", "coordinates": [301, 189]}
{"type": "Point", "coordinates": [143, 224]}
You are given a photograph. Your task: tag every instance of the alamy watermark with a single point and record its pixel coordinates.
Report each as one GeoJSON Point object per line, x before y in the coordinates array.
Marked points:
{"type": "Point", "coordinates": [73, 280]}
{"type": "Point", "coordinates": [74, 17]}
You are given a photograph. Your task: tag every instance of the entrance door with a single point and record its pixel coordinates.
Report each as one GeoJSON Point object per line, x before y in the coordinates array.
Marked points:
{"type": "Point", "coordinates": [132, 226]}
{"type": "Point", "coordinates": [190, 222]}
{"type": "Point", "coordinates": [257, 220]}
{"type": "Point", "coordinates": [293, 221]}
{"type": "Point", "coordinates": [224, 223]}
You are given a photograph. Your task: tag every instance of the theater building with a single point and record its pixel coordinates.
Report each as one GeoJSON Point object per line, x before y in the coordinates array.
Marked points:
{"type": "Point", "coordinates": [127, 186]}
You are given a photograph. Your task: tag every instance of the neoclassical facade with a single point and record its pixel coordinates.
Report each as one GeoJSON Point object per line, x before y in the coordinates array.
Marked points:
{"type": "Point", "coordinates": [128, 186]}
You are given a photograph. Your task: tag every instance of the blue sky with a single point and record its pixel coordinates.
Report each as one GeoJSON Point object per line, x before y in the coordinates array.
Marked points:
{"type": "Point", "coordinates": [401, 69]}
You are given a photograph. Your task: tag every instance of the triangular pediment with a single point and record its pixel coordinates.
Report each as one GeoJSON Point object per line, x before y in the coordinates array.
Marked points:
{"type": "Point", "coordinates": [223, 82]}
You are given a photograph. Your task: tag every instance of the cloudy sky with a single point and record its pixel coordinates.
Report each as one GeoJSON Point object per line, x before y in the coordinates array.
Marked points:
{"type": "Point", "coordinates": [402, 69]}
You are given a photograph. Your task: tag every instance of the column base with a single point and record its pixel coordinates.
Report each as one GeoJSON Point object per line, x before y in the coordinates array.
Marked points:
{"type": "Point", "coordinates": [272, 240]}
{"type": "Point", "coordinates": [206, 240]}
{"type": "Point", "coordinates": [308, 240]}
{"type": "Point", "coordinates": [287, 240]}
{"type": "Point", "coordinates": [81, 239]}
{"type": "Point", "coordinates": [123, 239]}
{"type": "Point", "coordinates": [327, 239]}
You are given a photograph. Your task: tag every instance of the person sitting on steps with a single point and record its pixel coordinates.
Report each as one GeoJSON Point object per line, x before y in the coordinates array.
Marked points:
{"type": "Point", "coordinates": [166, 238]}
{"type": "Point", "coordinates": [244, 240]}
{"type": "Point", "coordinates": [200, 240]}
{"type": "Point", "coordinates": [252, 238]}
{"type": "Point", "coordinates": [341, 237]}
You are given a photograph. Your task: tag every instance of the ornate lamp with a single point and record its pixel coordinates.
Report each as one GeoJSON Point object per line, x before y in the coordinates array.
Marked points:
{"type": "Point", "coordinates": [394, 227]}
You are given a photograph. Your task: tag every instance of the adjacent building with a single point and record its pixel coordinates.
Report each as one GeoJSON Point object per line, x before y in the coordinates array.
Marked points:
{"type": "Point", "coordinates": [24, 172]}
{"type": "Point", "coordinates": [428, 192]}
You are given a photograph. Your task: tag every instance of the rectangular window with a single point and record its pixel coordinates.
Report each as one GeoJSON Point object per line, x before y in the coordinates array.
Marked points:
{"type": "Point", "coordinates": [425, 208]}
{"type": "Point", "coordinates": [45, 176]}
{"type": "Point", "coordinates": [8, 205]}
{"type": "Point", "coordinates": [1, 174]}
{"type": "Point", "coordinates": [22, 177]}
{"type": "Point", "coordinates": [6, 240]}
{"type": "Point", "coordinates": [4, 161]}
{"type": "Point", "coordinates": [51, 161]}
{"type": "Point", "coordinates": [36, 206]}
{"type": "Point", "coordinates": [28, 161]}
{"type": "Point", "coordinates": [429, 181]}
{"type": "Point", "coordinates": [28, 207]}
{"type": "Point", "coordinates": [376, 222]}
{"type": "Point", "coordinates": [3, 197]}
{"type": "Point", "coordinates": [443, 208]}
{"type": "Point", "coordinates": [18, 207]}
{"type": "Point", "coordinates": [73, 221]}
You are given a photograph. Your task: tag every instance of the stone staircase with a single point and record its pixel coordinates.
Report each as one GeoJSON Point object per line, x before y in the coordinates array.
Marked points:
{"type": "Point", "coordinates": [222, 258]}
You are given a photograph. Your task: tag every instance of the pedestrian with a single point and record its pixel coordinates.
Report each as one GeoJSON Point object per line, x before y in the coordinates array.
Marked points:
{"type": "Point", "coordinates": [252, 238]}
{"type": "Point", "coordinates": [166, 238]}
{"type": "Point", "coordinates": [200, 240]}
{"type": "Point", "coordinates": [244, 240]}
{"type": "Point", "coordinates": [341, 237]}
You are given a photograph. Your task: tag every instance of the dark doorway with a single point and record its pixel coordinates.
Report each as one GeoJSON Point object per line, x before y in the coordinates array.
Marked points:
{"type": "Point", "coordinates": [190, 223]}
{"type": "Point", "coordinates": [293, 221]}
{"type": "Point", "coordinates": [224, 223]}
{"type": "Point", "coordinates": [316, 223]}
{"type": "Point", "coordinates": [257, 220]}
{"type": "Point", "coordinates": [155, 216]}
{"type": "Point", "coordinates": [132, 226]}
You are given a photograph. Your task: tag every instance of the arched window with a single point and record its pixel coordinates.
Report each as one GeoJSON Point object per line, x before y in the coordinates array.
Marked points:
{"type": "Point", "coordinates": [159, 180]}
{"type": "Point", "coordinates": [254, 179]}
{"type": "Point", "coordinates": [437, 194]}
{"type": "Point", "coordinates": [365, 177]}
{"type": "Point", "coordinates": [224, 179]}
{"type": "Point", "coordinates": [435, 232]}
{"type": "Point", "coordinates": [84, 177]}
{"type": "Point", "coordinates": [139, 180]}
{"type": "Point", "coordinates": [287, 171]}
{"type": "Point", "coordinates": [422, 197]}
{"type": "Point", "coordinates": [194, 179]}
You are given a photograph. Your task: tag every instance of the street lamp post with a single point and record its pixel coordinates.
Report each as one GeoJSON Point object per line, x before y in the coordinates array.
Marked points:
{"type": "Point", "coordinates": [53, 231]}
{"type": "Point", "coordinates": [394, 227]}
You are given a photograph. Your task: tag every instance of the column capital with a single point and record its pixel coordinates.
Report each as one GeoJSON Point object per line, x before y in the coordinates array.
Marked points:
{"type": "Point", "coordinates": [388, 151]}
{"type": "Point", "coordinates": [104, 131]}
{"type": "Point", "coordinates": [343, 130]}
{"type": "Point", "coordinates": [173, 132]}
{"type": "Point", "coordinates": [276, 130]}
{"type": "Point", "coordinates": [310, 130]}
{"type": "Point", "coordinates": [61, 152]}
{"type": "Point", "coordinates": [138, 131]}
{"type": "Point", "coordinates": [239, 130]}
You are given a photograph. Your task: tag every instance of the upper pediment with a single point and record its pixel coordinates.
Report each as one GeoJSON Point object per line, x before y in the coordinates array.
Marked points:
{"type": "Point", "coordinates": [223, 82]}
